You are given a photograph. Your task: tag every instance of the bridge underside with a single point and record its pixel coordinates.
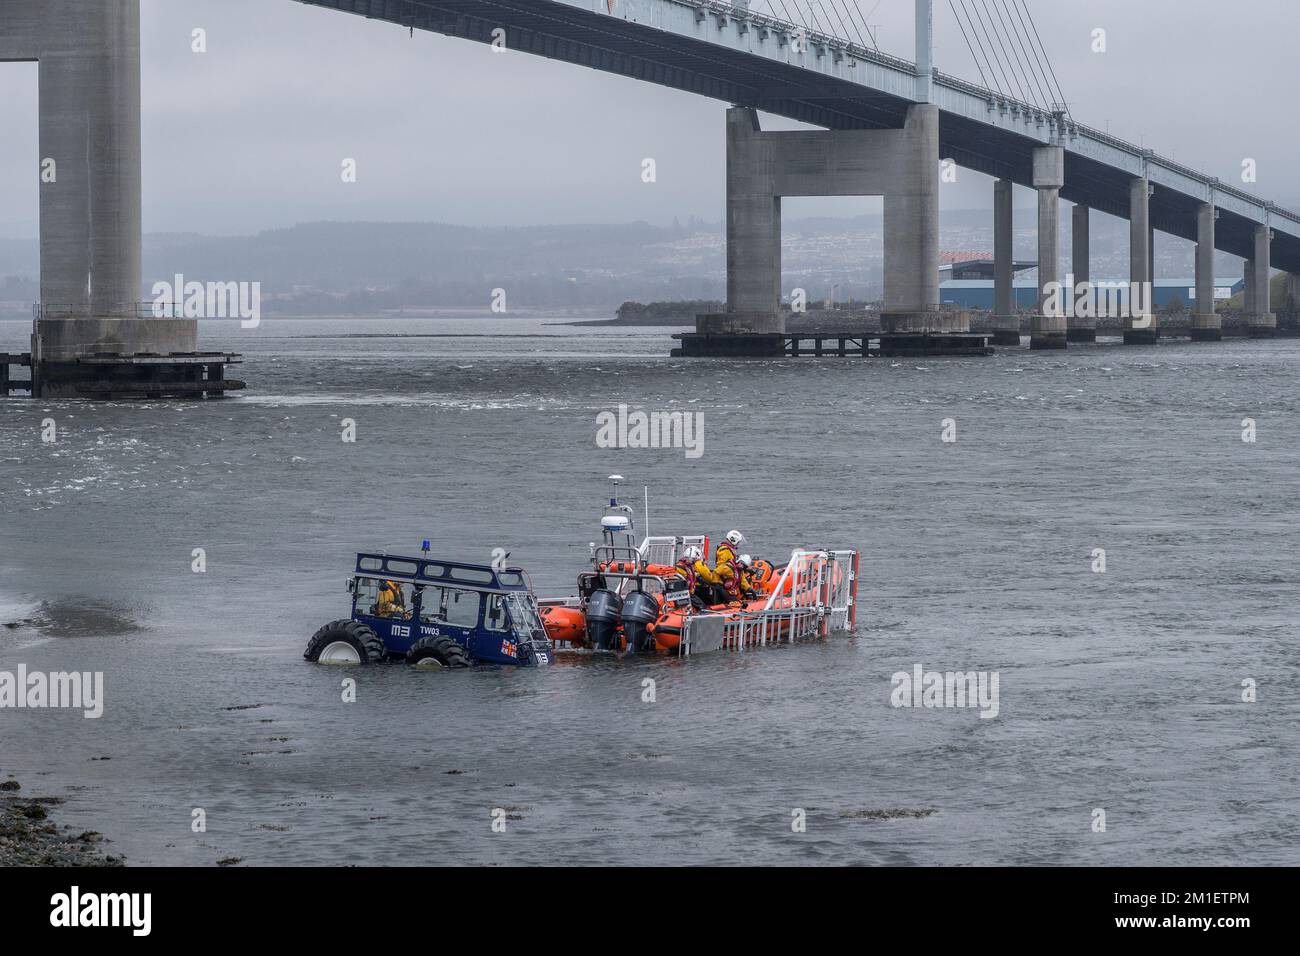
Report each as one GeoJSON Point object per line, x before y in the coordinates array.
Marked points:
{"type": "Point", "coordinates": [614, 45]}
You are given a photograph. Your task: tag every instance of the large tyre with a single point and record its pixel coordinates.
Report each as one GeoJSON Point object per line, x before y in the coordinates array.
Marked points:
{"type": "Point", "coordinates": [442, 651]}
{"type": "Point", "coordinates": [345, 642]}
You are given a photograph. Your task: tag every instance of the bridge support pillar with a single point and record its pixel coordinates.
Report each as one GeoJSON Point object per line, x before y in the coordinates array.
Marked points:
{"type": "Point", "coordinates": [1006, 319]}
{"type": "Point", "coordinates": [88, 55]}
{"type": "Point", "coordinates": [1248, 287]}
{"type": "Point", "coordinates": [1151, 262]}
{"type": "Point", "coordinates": [1207, 324]}
{"type": "Point", "coordinates": [1261, 322]}
{"type": "Point", "coordinates": [753, 236]}
{"type": "Point", "coordinates": [1048, 326]}
{"type": "Point", "coordinates": [1081, 328]}
{"type": "Point", "coordinates": [1141, 327]}
{"type": "Point", "coordinates": [912, 231]}
{"type": "Point", "coordinates": [902, 165]}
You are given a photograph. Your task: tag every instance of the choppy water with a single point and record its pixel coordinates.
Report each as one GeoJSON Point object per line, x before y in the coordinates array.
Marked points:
{"type": "Point", "coordinates": [1119, 691]}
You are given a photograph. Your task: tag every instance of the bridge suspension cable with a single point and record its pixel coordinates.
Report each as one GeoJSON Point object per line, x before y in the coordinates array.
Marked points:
{"type": "Point", "coordinates": [844, 31]}
{"type": "Point", "coordinates": [984, 80]}
{"type": "Point", "coordinates": [843, 19]}
{"type": "Point", "coordinates": [1010, 71]}
{"type": "Point", "coordinates": [988, 49]}
{"type": "Point", "coordinates": [1008, 51]}
{"type": "Point", "coordinates": [1060, 94]}
{"type": "Point", "coordinates": [1001, 36]}
{"type": "Point", "coordinates": [1028, 83]}
{"type": "Point", "coordinates": [1035, 75]}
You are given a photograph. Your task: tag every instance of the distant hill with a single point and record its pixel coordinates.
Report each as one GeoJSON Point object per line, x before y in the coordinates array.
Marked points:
{"type": "Point", "coordinates": [367, 265]}
{"type": "Point", "coordinates": [364, 267]}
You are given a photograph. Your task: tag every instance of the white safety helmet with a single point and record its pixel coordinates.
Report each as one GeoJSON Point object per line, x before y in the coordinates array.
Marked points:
{"type": "Point", "coordinates": [691, 553]}
{"type": "Point", "coordinates": [745, 561]}
{"type": "Point", "coordinates": [735, 539]}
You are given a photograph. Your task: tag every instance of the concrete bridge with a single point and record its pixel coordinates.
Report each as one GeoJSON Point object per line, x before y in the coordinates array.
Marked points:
{"type": "Point", "coordinates": [887, 123]}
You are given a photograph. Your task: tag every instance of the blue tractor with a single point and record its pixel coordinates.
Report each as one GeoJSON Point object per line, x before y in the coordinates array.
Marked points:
{"type": "Point", "coordinates": [435, 612]}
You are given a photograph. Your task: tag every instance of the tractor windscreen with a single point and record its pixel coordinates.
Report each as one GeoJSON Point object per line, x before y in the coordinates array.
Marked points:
{"type": "Point", "coordinates": [524, 616]}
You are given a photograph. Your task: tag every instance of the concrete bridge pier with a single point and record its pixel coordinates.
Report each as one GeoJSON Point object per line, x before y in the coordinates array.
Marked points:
{"type": "Point", "coordinates": [1248, 288]}
{"type": "Point", "coordinates": [1261, 322]}
{"type": "Point", "coordinates": [1080, 328]}
{"type": "Point", "coordinates": [912, 229]}
{"type": "Point", "coordinates": [753, 237]}
{"type": "Point", "coordinates": [88, 56]}
{"type": "Point", "coordinates": [1207, 324]}
{"type": "Point", "coordinates": [901, 165]}
{"type": "Point", "coordinates": [1151, 258]}
{"type": "Point", "coordinates": [1140, 329]}
{"type": "Point", "coordinates": [1047, 329]}
{"type": "Point", "coordinates": [1006, 319]}
{"type": "Point", "coordinates": [1292, 292]}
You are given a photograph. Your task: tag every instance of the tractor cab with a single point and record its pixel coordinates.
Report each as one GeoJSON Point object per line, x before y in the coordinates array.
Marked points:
{"type": "Point", "coordinates": [415, 603]}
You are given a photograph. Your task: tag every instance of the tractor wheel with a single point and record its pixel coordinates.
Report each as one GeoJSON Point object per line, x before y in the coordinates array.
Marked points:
{"type": "Point", "coordinates": [345, 642]}
{"type": "Point", "coordinates": [438, 651]}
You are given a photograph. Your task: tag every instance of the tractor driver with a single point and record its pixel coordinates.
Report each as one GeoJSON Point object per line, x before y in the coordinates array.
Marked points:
{"type": "Point", "coordinates": [391, 602]}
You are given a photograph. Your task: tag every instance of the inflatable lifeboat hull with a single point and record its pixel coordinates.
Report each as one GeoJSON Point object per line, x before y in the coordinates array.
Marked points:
{"type": "Point", "coordinates": [567, 624]}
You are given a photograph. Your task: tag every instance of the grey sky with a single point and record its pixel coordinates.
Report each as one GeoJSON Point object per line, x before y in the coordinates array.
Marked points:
{"type": "Point", "coordinates": [251, 135]}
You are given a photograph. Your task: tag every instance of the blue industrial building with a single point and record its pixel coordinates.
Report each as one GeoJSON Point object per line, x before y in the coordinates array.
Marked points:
{"type": "Point", "coordinates": [974, 287]}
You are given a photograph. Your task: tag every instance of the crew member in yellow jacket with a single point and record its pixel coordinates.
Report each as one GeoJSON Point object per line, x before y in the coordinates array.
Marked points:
{"type": "Point", "coordinates": [724, 577]}
{"type": "Point", "coordinates": [391, 602]}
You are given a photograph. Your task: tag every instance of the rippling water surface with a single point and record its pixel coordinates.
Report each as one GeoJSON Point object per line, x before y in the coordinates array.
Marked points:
{"type": "Point", "coordinates": [1119, 691]}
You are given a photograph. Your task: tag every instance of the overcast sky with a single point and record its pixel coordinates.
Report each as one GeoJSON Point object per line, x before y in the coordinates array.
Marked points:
{"type": "Point", "coordinates": [251, 134]}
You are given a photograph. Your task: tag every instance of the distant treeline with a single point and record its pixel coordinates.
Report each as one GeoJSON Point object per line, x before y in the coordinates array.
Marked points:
{"type": "Point", "coordinates": [667, 313]}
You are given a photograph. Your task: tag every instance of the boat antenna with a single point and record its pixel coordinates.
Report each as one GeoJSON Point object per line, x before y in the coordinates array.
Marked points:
{"type": "Point", "coordinates": [646, 530]}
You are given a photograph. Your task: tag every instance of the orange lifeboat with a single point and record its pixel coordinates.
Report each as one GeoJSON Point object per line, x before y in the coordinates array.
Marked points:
{"type": "Point", "coordinates": [667, 630]}
{"type": "Point", "coordinates": [568, 624]}
{"type": "Point", "coordinates": [648, 611]}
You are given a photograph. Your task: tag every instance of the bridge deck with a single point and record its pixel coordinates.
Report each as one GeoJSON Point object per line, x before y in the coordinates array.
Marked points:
{"type": "Point", "coordinates": [712, 49]}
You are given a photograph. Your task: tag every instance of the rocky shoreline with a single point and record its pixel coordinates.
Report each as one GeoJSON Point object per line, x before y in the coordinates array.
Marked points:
{"type": "Point", "coordinates": [28, 837]}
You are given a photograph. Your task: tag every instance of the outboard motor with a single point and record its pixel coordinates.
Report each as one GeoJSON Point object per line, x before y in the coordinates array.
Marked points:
{"type": "Point", "coordinates": [640, 610]}
{"type": "Point", "coordinates": [603, 609]}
